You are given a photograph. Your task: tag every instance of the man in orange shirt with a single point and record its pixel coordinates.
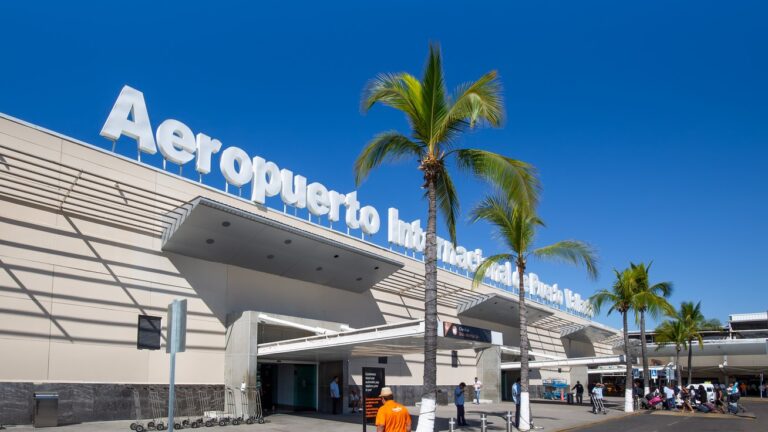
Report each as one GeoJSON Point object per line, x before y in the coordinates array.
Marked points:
{"type": "Point", "coordinates": [392, 417]}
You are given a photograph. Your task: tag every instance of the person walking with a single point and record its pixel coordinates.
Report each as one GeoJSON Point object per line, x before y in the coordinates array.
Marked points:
{"type": "Point", "coordinates": [579, 392]}
{"type": "Point", "coordinates": [392, 416]}
{"type": "Point", "coordinates": [590, 387]}
{"type": "Point", "coordinates": [458, 399]}
{"type": "Point", "coordinates": [516, 400]}
{"type": "Point", "coordinates": [597, 395]}
{"type": "Point", "coordinates": [669, 397]}
{"type": "Point", "coordinates": [335, 395]}
{"type": "Point", "coordinates": [478, 387]}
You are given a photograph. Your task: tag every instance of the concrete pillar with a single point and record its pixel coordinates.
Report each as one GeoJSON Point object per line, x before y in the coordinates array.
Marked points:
{"type": "Point", "coordinates": [240, 352]}
{"type": "Point", "coordinates": [489, 373]}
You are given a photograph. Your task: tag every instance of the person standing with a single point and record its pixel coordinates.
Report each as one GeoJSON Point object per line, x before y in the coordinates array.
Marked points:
{"type": "Point", "coordinates": [354, 401]}
{"type": "Point", "coordinates": [458, 399]}
{"type": "Point", "coordinates": [516, 400]}
{"type": "Point", "coordinates": [392, 416]}
{"type": "Point", "coordinates": [590, 387]}
{"type": "Point", "coordinates": [335, 395]}
{"type": "Point", "coordinates": [478, 386]}
{"type": "Point", "coordinates": [579, 392]}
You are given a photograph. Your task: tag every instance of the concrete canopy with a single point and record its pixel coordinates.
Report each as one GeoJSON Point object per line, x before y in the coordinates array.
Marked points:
{"type": "Point", "coordinates": [717, 348]}
{"type": "Point", "coordinates": [589, 333]}
{"type": "Point", "coordinates": [500, 309]}
{"type": "Point", "coordinates": [217, 232]}
{"type": "Point", "coordinates": [379, 341]}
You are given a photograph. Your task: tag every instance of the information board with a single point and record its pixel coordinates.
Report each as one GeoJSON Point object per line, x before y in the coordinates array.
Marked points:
{"type": "Point", "coordinates": [373, 381]}
{"type": "Point", "coordinates": [461, 331]}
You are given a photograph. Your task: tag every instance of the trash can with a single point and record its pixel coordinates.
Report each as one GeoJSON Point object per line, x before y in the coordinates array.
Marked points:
{"type": "Point", "coordinates": [46, 409]}
{"type": "Point", "coordinates": [569, 397]}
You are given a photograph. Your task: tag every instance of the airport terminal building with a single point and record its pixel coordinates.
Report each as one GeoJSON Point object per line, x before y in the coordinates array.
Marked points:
{"type": "Point", "coordinates": [288, 283]}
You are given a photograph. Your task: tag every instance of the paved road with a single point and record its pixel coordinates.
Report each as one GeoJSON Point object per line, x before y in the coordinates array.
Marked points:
{"type": "Point", "coordinates": [646, 422]}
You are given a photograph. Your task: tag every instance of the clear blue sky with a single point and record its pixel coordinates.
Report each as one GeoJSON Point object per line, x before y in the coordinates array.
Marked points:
{"type": "Point", "coordinates": [648, 121]}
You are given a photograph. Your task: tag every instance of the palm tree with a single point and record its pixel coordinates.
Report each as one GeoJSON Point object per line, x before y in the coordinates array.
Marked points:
{"type": "Point", "coordinates": [695, 322]}
{"type": "Point", "coordinates": [620, 298]}
{"type": "Point", "coordinates": [653, 300]}
{"type": "Point", "coordinates": [673, 332]}
{"type": "Point", "coordinates": [437, 120]}
{"type": "Point", "coordinates": [516, 227]}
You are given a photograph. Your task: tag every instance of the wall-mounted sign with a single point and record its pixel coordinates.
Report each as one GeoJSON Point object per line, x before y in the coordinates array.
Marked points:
{"type": "Point", "coordinates": [179, 145]}
{"type": "Point", "coordinates": [465, 332]}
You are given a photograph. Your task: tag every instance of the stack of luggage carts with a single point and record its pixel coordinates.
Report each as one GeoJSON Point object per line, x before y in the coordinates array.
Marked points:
{"type": "Point", "coordinates": [195, 407]}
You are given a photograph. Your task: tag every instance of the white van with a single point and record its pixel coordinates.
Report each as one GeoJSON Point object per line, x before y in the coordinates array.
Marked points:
{"type": "Point", "coordinates": [709, 387]}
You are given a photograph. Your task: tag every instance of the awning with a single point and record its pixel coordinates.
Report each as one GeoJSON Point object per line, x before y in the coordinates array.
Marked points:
{"type": "Point", "coordinates": [581, 361]}
{"type": "Point", "coordinates": [586, 333]}
{"type": "Point", "coordinates": [500, 309]}
{"type": "Point", "coordinates": [214, 231]}
{"type": "Point", "coordinates": [716, 348]}
{"type": "Point", "coordinates": [378, 341]}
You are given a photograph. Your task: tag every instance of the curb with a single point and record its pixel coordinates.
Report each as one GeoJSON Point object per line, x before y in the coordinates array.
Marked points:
{"type": "Point", "coordinates": [703, 415]}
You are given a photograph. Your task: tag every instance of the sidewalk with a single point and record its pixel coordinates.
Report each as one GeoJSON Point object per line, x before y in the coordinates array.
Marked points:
{"type": "Point", "coordinates": [546, 416]}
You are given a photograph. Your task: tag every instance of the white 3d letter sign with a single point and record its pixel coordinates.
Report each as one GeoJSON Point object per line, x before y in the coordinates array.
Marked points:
{"type": "Point", "coordinates": [179, 145]}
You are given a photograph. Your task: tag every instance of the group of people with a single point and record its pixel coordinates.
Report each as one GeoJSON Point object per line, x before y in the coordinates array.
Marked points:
{"type": "Point", "coordinates": [722, 399]}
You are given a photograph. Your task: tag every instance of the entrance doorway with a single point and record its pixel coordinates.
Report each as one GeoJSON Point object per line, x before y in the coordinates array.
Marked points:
{"type": "Point", "coordinates": [288, 387]}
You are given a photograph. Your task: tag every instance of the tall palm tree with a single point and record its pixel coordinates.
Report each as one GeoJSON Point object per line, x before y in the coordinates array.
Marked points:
{"type": "Point", "coordinates": [437, 121]}
{"type": "Point", "coordinates": [673, 332]}
{"type": "Point", "coordinates": [695, 322]}
{"type": "Point", "coordinates": [653, 300]}
{"type": "Point", "coordinates": [620, 298]}
{"type": "Point", "coordinates": [516, 227]}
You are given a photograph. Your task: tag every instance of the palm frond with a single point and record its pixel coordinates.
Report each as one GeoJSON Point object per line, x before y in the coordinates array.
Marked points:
{"type": "Point", "coordinates": [513, 224]}
{"type": "Point", "coordinates": [603, 298]}
{"type": "Point", "coordinates": [514, 178]}
{"type": "Point", "coordinates": [447, 201]}
{"type": "Point", "coordinates": [477, 102]}
{"type": "Point", "coordinates": [401, 91]}
{"type": "Point", "coordinates": [391, 146]}
{"type": "Point", "coordinates": [483, 268]}
{"type": "Point", "coordinates": [433, 98]}
{"type": "Point", "coordinates": [573, 252]}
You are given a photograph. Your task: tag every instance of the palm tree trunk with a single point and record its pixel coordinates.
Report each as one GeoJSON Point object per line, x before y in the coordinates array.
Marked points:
{"type": "Point", "coordinates": [525, 410]}
{"type": "Point", "coordinates": [690, 361]}
{"type": "Point", "coordinates": [644, 348]}
{"type": "Point", "coordinates": [428, 398]}
{"type": "Point", "coordinates": [677, 367]}
{"type": "Point", "coordinates": [628, 405]}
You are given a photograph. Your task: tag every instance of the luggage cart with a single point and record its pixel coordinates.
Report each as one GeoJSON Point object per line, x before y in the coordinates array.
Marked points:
{"type": "Point", "coordinates": [220, 416]}
{"type": "Point", "coordinates": [600, 406]}
{"type": "Point", "coordinates": [186, 409]}
{"type": "Point", "coordinates": [158, 411]}
{"type": "Point", "coordinates": [232, 408]}
{"type": "Point", "coordinates": [197, 409]}
{"type": "Point", "coordinates": [138, 425]}
{"type": "Point", "coordinates": [208, 418]}
{"type": "Point", "coordinates": [252, 405]}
